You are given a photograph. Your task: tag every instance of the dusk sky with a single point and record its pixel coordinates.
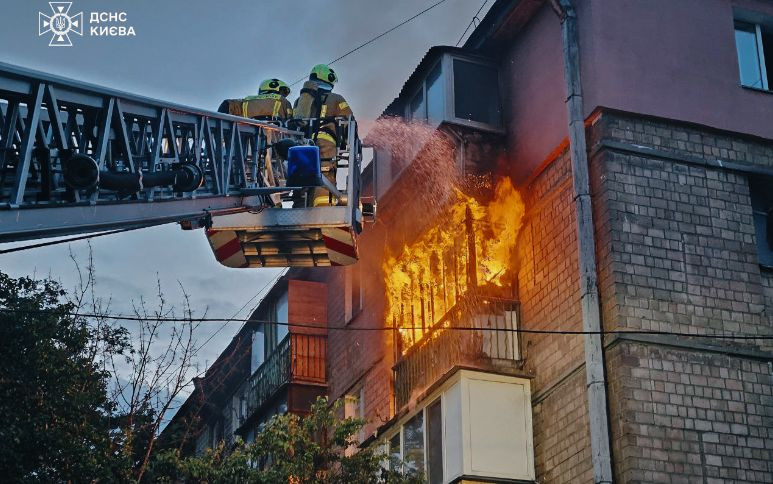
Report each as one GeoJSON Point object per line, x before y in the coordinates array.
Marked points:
{"type": "Point", "coordinates": [198, 53]}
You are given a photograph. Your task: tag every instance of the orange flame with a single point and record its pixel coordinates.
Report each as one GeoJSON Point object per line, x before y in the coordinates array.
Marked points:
{"type": "Point", "coordinates": [429, 276]}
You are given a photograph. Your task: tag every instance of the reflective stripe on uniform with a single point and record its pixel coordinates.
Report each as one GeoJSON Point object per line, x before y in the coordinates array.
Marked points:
{"type": "Point", "coordinates": [245, 109]}
{"type": "Point", "coordinates": [323, 112]}
{"type": "Point", "coordinates": [277, 106]}
{"type": "Point", "coordinates": [343, 105]}
{"type": "Point", "coordinates": [323, 200]}
{"type": "Point", "coordinates": [326, 137]}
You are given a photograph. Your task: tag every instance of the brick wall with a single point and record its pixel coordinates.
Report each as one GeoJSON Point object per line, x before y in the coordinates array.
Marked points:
{"type": "Point", "coordinates": [561, 433]}
{"type": "Point", "coordinates": [677, 252]}
{"type": "Point", "coordinates": [548, 289]}
{"type": "Point", "coordinates": [689, 416]}
{"type": "Point", "coordinates": [683, 251]}
{"type": "Point", "coordinates": [359, 355]}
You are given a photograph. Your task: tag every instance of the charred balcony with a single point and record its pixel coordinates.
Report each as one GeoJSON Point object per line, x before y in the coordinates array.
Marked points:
{"type": "Point", "coordinates": [478, 332]}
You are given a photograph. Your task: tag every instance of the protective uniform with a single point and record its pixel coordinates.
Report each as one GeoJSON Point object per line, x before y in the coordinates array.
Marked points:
{"type": "Point", "coordinates": [317, 101]}
{"type": "Point", "coordinates": [270, 104]}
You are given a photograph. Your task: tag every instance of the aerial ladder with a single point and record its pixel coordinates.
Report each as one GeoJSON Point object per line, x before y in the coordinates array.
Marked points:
{"type": "Point", "coordinates": [79, 158]}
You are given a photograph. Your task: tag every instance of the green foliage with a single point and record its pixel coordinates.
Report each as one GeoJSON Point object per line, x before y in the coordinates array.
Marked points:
{"type": "Point", "coordinates": [290, 449]}
{"type": "Point", "coordinates": [55, 413]}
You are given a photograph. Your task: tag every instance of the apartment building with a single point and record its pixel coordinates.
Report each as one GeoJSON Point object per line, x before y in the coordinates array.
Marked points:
{"type": "Point", "coordinates": [478, 372]}
{"type": "Point", "coordinates": [271, 367]}
{"type": "Point", "coordinates": [679, 128]}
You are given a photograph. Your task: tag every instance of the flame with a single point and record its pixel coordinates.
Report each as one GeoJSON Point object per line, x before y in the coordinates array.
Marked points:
{"type": "Point", "coordinates": [428, 277]}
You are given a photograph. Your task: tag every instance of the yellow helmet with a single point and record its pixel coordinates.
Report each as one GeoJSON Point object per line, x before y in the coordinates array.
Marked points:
{"type": "Point", "coordinates": [274, 85]}
{"type": "Point", "coordinates": [323, 72]}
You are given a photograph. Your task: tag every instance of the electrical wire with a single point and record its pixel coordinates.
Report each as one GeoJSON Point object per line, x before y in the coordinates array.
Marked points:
{"type": "Point", "coordinates": [73, 239]}
{"type": "Point", "coordinates": [471, 22]}
{"type": "Point", "coordinates": [316, 325]}
{"type": "Point", "coordinates": [364, 44]}
{"type": "Point", "coordinates": [232, 318]}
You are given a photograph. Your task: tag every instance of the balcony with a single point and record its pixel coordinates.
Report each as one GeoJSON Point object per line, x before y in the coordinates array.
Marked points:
{"type": "Point", "coordinates": [475, 333]}
{"type": "Point", "coordinates": [299, 359]}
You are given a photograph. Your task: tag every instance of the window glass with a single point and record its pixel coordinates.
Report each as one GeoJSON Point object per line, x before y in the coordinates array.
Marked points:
{"type": "Point", "coordinates": [258, 350]}
{"type": "Point", "coordinates": [767, 50]}
{"type": "Point", "coordinates": [356, 295]}
{"type": "Point", "coordinates": [418, 108]}
{"type": "Point", "coordinates": [749, 56]}
{"type": "Point", "coordinates": [435, 99]}
{"type": "Point", "coordinates": [762, 205]}
{"type": "Point", "coordinates": [413, 443]}
{"type": "Point", "coordinates": [395, 458]}
{"type": "Point", "coordinates": [282, 316]}
{"type": "Point", "coordinates": [476, 93]}
{"type": "Point", "coordinates": [435, 443]}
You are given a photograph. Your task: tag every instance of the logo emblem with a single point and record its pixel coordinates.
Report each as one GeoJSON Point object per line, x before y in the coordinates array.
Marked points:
{"type": "Point", "coordinates": [61, 24]}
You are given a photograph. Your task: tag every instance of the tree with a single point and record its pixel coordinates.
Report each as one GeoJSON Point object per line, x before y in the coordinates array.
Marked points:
{"type": "Point", "coordinates": [159, 366]}
{"type": "Point", "coordinates": [54, 406]}
{"type": "Point", "coordinates": [290, 449]}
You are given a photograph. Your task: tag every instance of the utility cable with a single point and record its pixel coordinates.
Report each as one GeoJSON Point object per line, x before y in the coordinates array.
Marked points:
{"type": "Point", "coordinates": [73, 239]}
{"type": "Point", "coordinates": [382, 34]}
{"type": "Point", "coordinates": [317, 325]}
{"type": "Point", "coordinates": [232, 318]}
{"type": "Point", "coordinates": [471, 22]}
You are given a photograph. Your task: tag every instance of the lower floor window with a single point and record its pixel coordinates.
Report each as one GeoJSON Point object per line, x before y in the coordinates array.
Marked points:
{"type": "Point", "coordinates": [418, 446]}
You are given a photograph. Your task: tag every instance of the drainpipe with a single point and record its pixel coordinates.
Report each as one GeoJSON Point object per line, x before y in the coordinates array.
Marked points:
{"type": "Point", "coordinates": [589, 295]}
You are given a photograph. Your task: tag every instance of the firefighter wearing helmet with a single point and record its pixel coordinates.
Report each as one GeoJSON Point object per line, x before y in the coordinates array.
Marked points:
{"type": "Point", "coordinates": [318, 102]}
{"type": "Point", "coordinates": [270, 104]}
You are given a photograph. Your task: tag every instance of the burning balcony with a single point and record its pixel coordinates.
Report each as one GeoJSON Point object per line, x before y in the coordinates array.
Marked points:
{"type": "Point", "coordinates": [476, 333]}
{"type": "Point", "coordinates": [451, 292]}
{"type": "Point", "coordinates": [293, 374]}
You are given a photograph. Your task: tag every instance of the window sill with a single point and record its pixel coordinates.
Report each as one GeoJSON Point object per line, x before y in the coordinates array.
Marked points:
{"type": "Point", "coordinates": [757, 89]}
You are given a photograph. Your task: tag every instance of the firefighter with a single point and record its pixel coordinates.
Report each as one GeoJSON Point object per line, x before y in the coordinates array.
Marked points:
{"type": "Point", "coordinates": [270, 104]}
{"type": "Point", "coordinates": [317, 101]}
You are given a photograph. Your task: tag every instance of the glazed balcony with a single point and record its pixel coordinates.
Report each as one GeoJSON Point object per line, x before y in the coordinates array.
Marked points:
{"type": "Point", "coordinates": [475, 333]}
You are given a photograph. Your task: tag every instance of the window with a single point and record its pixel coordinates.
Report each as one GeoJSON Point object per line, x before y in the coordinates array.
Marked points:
{"type": "Point", "coordinates": [754, 44]}
{"type": "Point", "coordinates": [354, 407]}
{"type": "Point", "coordinates": [277, 311]}
{"type": "Point", "coordinates": [395, 454]}
{"type": "Point", "coordinates": [413, 443]}
{"type": "Point", "coordinates": [356, 290]}
{"type": "Point", "coordinates": [476, 93]}
{"type": "Point", "coordinates": [258, 353]}
{"type": "Point", "coordinates": [418, 109]}
{"type": "Point", "coordinates": [436, 102]}
{"type": "Point", "coordinates": [762, 207]}
{"type": "Point", "coordinates": [435, 443]}
{"type": "Point", "coordinates": [419, 448]}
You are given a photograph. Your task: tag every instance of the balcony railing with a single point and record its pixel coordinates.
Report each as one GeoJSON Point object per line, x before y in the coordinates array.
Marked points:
{"type": "Point", "coordinates": [475, 333]}
{"type": "Point", "coordinates": [298, 358]}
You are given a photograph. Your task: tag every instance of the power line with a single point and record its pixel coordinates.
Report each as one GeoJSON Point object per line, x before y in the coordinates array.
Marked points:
{"type": "Point", "coordinates": [471, 22]}
{"type": "Point", "coordinates": [73, 239]}
{"type": "Point", "coordinates": [382, 34]}
{"type": "Point", "coordinates": [232, 318]}
{"type": "Point", "coordinates": [316, 325]}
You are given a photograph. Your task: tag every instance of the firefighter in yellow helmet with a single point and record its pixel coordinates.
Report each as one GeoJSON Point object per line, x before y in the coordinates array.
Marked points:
{"type": "Point", "coordinates": [319, 102]}
{"type": "Point", "coordinates": [270, 104]}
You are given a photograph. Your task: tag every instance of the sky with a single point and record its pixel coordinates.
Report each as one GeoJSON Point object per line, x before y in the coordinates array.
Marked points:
{"type": "Point", "coordinates": [198, 53]}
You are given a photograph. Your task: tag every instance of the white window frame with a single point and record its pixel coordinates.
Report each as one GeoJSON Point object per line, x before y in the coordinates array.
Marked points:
{"type": "Point", "coordinates": [754, 21]}
{"type": "Point", "coordinates": [425, 435]}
